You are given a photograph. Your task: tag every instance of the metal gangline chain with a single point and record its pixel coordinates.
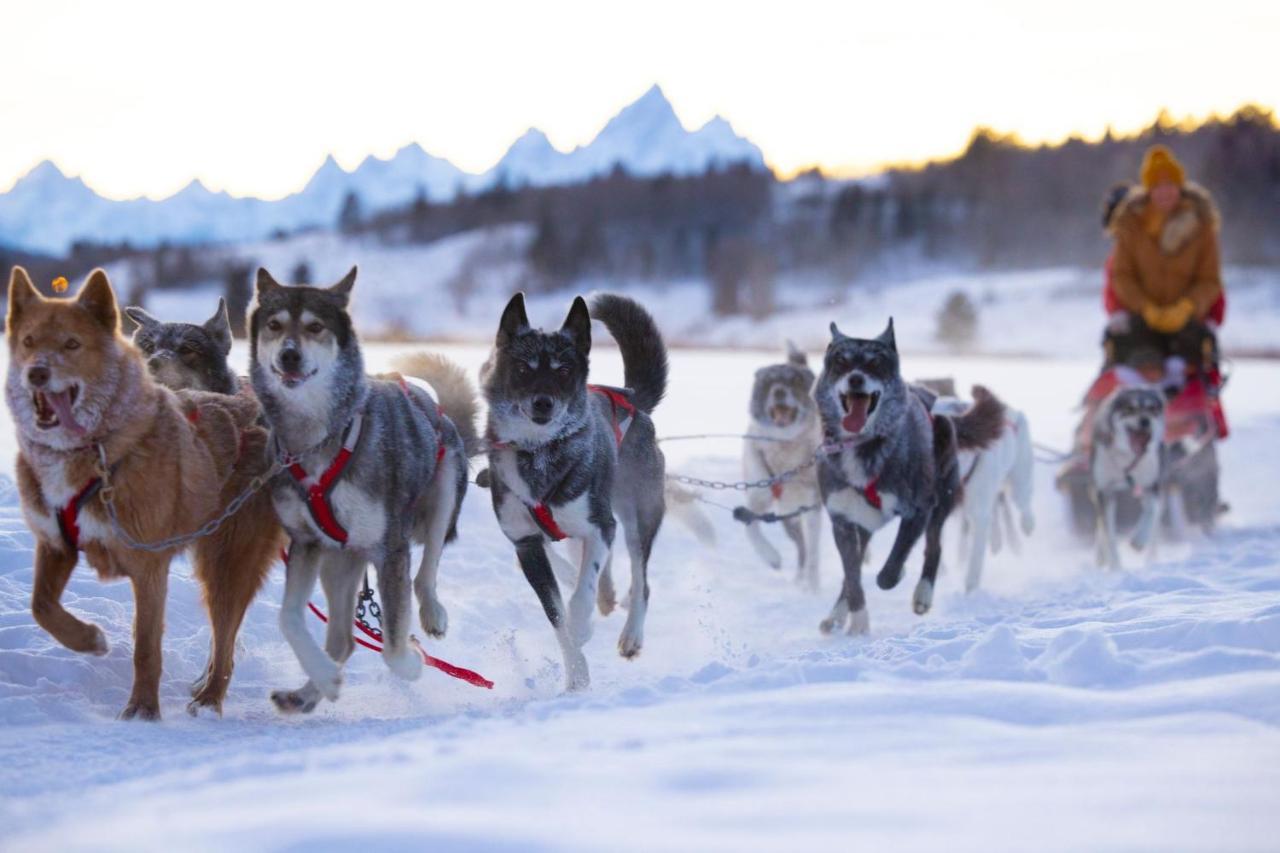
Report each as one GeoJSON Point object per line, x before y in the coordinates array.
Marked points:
{"type": "Point", "coordinates": [107, 493]}
{"type": "Point", "coordinates": [366, 604]}
{"type": "Point", "coordinates": [825, 449]}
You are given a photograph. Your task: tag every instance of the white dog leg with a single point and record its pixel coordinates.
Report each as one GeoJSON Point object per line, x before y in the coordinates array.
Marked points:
{"type": "Point", "coordinates": [324, 673]}
{"type": "Point", "coordinates": [595, 552]}
{"type": "Point", "coordinates": [813, 545]}
{"type": "Point", "coordinates": [982, 523]}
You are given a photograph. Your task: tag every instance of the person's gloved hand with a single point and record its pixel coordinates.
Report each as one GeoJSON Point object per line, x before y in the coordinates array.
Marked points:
{"type": "Point", "coordinates": [1169, 319]}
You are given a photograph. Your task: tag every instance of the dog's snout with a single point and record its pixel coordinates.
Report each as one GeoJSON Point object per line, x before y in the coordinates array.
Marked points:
{"type": "Point", "coordinates": [779, 394]}
{"type": "Point", "coordinates": [856, 381]}
{"type": "Point", "coordinates": [542, 405]}
{"type": "Point", "coordinates": [38, 376]}
{"type": "Point", "coordinates": [155, 362]}
{"type": "Point", "coordinates": [290, 360]}
{"type": "Point", "coordinates": [1144, 422]}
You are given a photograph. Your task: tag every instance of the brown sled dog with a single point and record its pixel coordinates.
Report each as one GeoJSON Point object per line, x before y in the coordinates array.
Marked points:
{"type": "Point", "coordinates": [76, 387]}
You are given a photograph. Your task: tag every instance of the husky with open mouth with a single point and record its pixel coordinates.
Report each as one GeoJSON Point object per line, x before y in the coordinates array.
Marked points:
{"type": "Point", "coordinates": [887, 456]}
{"type": "Point", "coordinates": [1127, 455]}
{"type": "Point", "coordinates": [785, 418]}
{"type": "Point", "coordinates": [372, 465]}
{"type": "Point", "coordinates": [94, 426]}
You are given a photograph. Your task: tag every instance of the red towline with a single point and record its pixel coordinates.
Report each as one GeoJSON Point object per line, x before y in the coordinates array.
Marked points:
{"type": "Point", "coordinates": [374, 643]}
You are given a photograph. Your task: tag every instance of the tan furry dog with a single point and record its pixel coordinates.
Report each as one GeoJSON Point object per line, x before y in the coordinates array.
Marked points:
{"type": "Point", "coordinates": [76, 388]}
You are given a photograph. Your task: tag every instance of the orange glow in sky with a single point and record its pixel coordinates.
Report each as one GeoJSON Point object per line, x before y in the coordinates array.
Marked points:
{"type": "Point", "coordinates": [249, 97]}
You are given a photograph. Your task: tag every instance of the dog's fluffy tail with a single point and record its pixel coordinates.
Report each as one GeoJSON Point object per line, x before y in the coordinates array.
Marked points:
{"type": "Point", "coordinates": [982, 423]}
{"type": "Point", "coordinates": [644, 355]}
{"type": "Point", "coordinates": [456, 394]}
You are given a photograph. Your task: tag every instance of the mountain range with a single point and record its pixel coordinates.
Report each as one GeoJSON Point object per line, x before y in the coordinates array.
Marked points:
{"type": "Point", "coordinates": [46, 211]}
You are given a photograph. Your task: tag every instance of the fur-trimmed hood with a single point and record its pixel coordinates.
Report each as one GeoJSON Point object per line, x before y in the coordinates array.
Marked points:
{"type": "Point", "coordinates": [1194, 210]}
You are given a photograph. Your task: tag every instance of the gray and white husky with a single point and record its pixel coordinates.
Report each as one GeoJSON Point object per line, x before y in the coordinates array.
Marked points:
{"type": "Point", "coordinates": [888, 456]}
{"type": "Point", "coordinates": [1126, 455]}
{"type": "Point", "coordinates": [785, 418]}
{"type": "Point", "coordinates": [375, 466]}
{"type": "Point", "coordinates": [566, 457]}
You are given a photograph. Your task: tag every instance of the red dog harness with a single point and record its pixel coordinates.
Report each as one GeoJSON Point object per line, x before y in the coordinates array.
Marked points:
{"type": "Point", "coordinates": [69, 516]}
{"type": "Point", "coordinates": [318, 489]}
{"type": "Point", "coordinates": [622, 413]}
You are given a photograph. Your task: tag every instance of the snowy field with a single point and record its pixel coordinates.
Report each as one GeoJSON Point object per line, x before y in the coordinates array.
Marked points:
{"type": "Point", "coordinates": [1059, 708]}
{"type": "Point", "coordinates": [464, 278]}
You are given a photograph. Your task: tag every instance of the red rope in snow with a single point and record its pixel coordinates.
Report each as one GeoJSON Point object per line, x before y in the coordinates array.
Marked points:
{"type": "Point", "coordinates": [374, 643]}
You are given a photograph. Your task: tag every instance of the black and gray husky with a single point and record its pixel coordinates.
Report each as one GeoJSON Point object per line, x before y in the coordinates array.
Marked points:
{"type": "Point", "coordinates": [566, 457]}
{"type": "Point", "coordinates": [371, 466]}
{"type": "Point", "coordinates": [888, 457]}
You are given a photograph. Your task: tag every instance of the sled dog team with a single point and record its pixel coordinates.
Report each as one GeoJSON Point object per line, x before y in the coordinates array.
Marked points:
{"type": "Point", "coordinates": [130, 452]}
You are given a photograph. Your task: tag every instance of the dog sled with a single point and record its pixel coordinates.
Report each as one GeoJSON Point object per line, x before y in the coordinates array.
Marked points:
{"type": "Point", "coordinates": [1194, 423]}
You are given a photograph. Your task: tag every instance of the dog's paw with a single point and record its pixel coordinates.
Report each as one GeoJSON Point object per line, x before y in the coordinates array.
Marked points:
{"type": "Point", "coordinates": [405, 662]}
{"type": "Point", "coordinates": [888, 577]}
{"type": "Point", "coordinates": [922, 600]}
{"type": "Point", "coordinates": [859, 623]}
{"type": "Point", "coordinates": [577, 676]}
{"type": "Point", "coordinates": [836, 619]}
{"type": "Point", "coordinates": [198, 686]}
{"type": "Point", "coordinates": [90, 641]}
{"type": "Point", "coordinates": [146, 710]}
{"type": "Point", "coordinates": [302, 701]}
{"type": "Point", "coordinates": [606, 605]}
{"type": "Point", "coordinates": [206, 706]}
{"type": "Point", "coordinates": [434, 618]}
{"type": "Point", "coordinates": [329, 682]}
{"type": "Point", "coordinates": [631, 640]}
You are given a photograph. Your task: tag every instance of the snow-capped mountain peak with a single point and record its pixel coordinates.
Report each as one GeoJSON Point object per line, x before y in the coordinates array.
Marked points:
{"type": "Point", "coordinates": [47, 210]}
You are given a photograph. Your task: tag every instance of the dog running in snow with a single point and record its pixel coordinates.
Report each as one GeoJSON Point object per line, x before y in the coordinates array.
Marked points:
{"type": "Point", "coordinates": [888, 456]}
{"type": "Point", "coordinates": [565, 457]}
{"type": "Point", "coordinates": [77, 389]}
{"type": "Point", "coordinates": [1126, 455]}
{"type": "Point", "coordinates": [191, 357]}
{"type": "Point", "coordinates": [784, 415]}
{"type": "Point", "coordinates": [991, 479]}
{"type": "Point", "coordinates": [373, 465]}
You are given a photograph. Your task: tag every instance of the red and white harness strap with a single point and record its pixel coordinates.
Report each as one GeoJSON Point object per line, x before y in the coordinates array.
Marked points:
{"type": "Point", "coordinates": [318, 489]}
{"type": "Point", "coordinates": [622, 413]}
{"type": "Point", "coordinates": [69, 516]}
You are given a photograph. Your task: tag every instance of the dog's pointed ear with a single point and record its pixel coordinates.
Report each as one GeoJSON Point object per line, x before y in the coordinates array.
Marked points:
{"type": "Point", "coordinates": [99, 300]}
{"type": "Point", "coordinates": [265, 283]}
{"type": "Point", "coordinates": [21, 294]}
{"type": "Point", "coordinates": [514, 319]}
{"type": "Point", "coordinates": [219, 327]}
{"type": "Point", "coordinates": [141, 317]}
{"type": "Point", "coordinates": [795, 356]}
{"type": "Point", "coordinates": [343, 288]}
{"type": "Point", "coordinates": [578, 324]}
{"type": "Point", "coordinates": [886, 337]}
{"type": "Point", "coordinates": [836, 334]}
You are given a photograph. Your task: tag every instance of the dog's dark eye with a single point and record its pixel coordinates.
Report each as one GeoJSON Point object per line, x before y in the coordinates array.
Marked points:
{"type": "Point", "coordinates": [146, 346]}
{"type": "Point", "coordinates": [186, 350]}
{"type": "Point", "coordinates": [315, 328]}
{"type": "Point", "coordinates": [28, 342]}
{"type": "Point", "coordinates": [71, 344]}
{"type": "Point", "coordinates": [274, 326]}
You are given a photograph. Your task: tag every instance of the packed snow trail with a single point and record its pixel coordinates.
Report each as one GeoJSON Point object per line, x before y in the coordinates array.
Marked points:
{"type": "Point", "coordinates": [1060, 707]}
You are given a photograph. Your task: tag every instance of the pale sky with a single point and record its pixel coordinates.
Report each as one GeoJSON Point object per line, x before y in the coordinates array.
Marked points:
{"type": "Point", "coordinates": [249, 97]}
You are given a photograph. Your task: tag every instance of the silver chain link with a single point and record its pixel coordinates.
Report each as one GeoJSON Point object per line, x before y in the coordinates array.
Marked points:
{"type": "Point", "coordinates": [825, 449]}
{"type": "Point", "coordinates": [107, 494]}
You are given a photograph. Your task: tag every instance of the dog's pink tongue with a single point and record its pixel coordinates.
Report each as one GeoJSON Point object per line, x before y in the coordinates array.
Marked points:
{"type": "Point", "coordinates": [1138, 442]}
{"type": "Point", "coordinates": [856, 418]}
{"type": "Point", "coordinates": [61, 403]}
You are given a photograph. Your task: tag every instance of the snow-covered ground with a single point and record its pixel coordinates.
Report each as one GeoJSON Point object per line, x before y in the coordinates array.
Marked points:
{"type": "Point", "coordinates": [1058, 708]}
{"type": "Point", "coordinates": [450, 290]}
